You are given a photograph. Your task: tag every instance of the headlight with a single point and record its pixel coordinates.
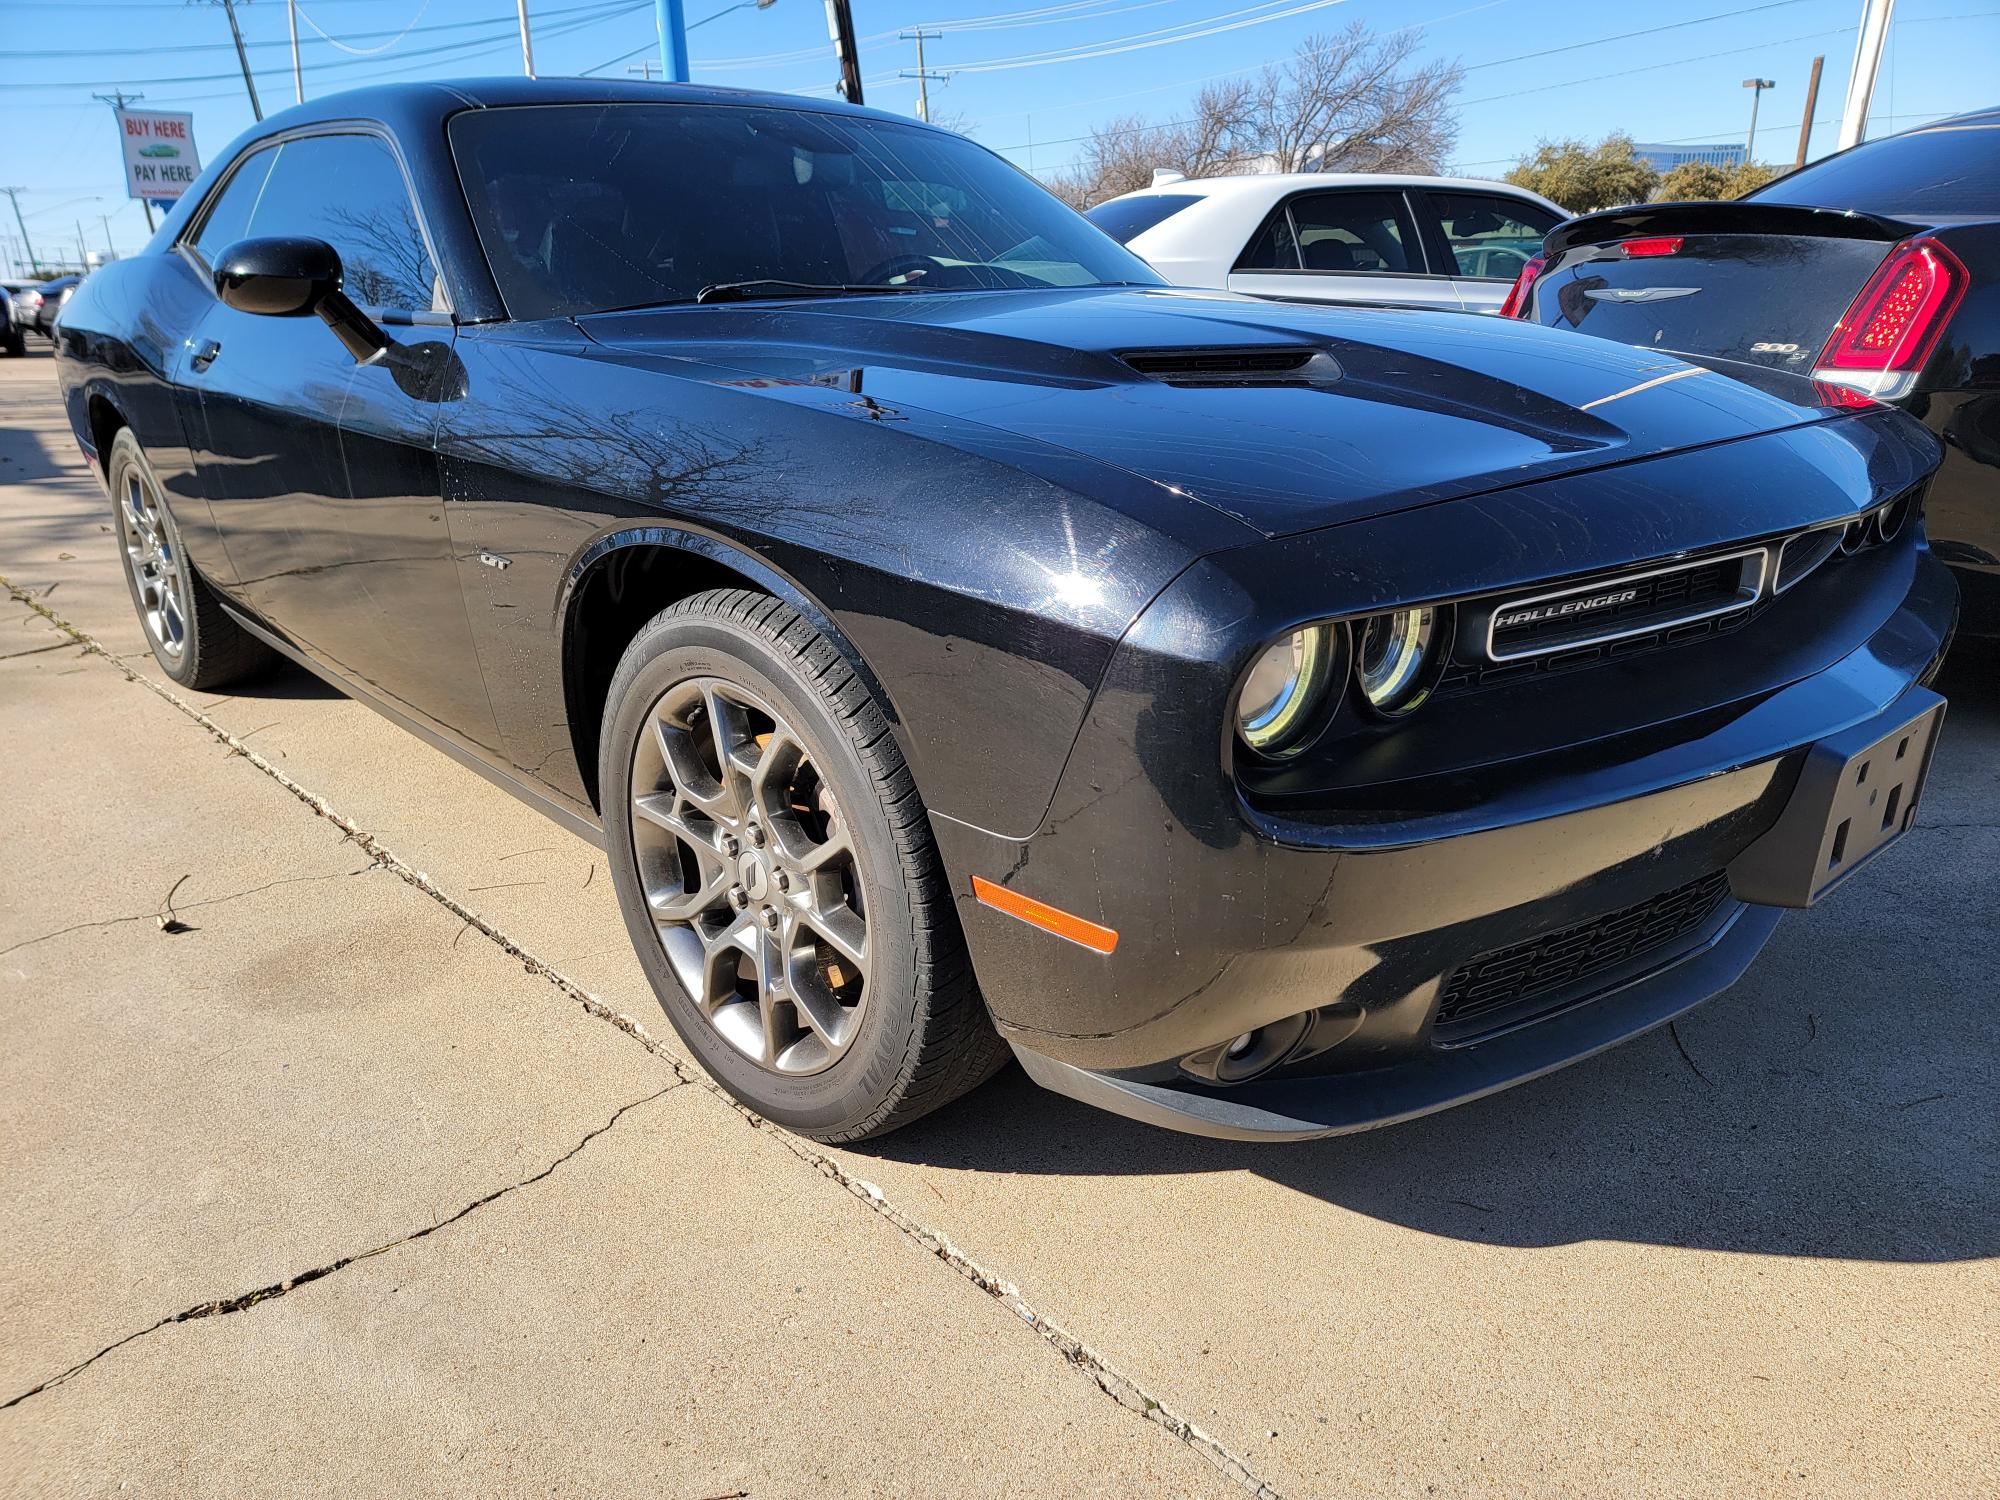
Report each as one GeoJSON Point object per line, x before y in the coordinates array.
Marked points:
{"type": "Point", "coordinates": [1397, 655]}
{"type": "Point", "coordinates": [1283, 699]}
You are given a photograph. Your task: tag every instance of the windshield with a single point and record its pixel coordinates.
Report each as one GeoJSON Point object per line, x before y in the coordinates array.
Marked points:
{"type": "Point", "coordinates": [586, 208]}
{"type": "Point", "coordinates": [1945, 169]}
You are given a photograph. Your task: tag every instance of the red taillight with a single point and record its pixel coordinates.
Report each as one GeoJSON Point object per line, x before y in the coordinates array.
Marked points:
{"type": "Point", "coordinates": [1516, 305]}
{"type": "Point", "coordinates": [1893, 326]}
{"type": "Point", "coordinates": [1666, 244]}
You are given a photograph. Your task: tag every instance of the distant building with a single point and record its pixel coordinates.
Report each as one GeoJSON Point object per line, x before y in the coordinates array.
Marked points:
{"type": "Point", "coordinates": [1664, 159]}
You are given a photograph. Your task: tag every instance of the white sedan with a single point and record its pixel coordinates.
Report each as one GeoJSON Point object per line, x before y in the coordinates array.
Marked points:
{"type": "Point", "coordinates": [1439, 242]}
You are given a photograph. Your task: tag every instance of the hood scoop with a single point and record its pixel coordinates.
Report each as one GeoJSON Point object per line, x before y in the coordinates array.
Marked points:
{"type": "Point", "coordinates": [1280, 365]}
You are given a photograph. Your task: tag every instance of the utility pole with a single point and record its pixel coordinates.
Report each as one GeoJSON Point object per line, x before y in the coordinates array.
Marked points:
{"type": "Point", "coordinates": [1875, 17]}
{"type": "Point", "coordinates": [1812, 103]}
{"type": "Point", "coordinates": [82, 252]}
{"type": "Point", "coordinates": [645, 69]}
{"type": "Point", "coordinates": [242, 57]}
{"type": "Point", "coordinates": [34, 261]}
{"type": "Point", "coordinates": [118, 99]}
{"type": "Point", "coordinates": [1759, 85]}
{"type": "Point", "coordinates": [923, 78]}
{"type": "Point", "coordinates": [671, 18]}
{"type": "Point", "coordinates": [527, 44]}
{"type": "Point", "coordinates": [110, 250]}
{"type": "Point", "coordinates": [840, 29]}
{"type": "Point", "coordinates": [298, 73]}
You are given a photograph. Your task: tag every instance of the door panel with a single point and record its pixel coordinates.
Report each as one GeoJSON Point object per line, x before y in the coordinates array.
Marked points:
{"type": "Point", "coordinates": [323, 474]}
{"type": "Point", "coordinates": [1353, 245]}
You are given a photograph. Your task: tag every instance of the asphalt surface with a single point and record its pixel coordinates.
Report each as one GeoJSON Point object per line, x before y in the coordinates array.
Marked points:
{"type": "Point", "coordinates": [348, 1152]}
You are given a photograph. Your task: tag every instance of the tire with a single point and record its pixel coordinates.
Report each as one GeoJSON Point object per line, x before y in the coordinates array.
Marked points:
{"type": "Point", "coordinates": [17, 344]}
{"type": "Point", "coordinates": [759, 876]}
{"type": "Point", "coordinates": [192, 638]}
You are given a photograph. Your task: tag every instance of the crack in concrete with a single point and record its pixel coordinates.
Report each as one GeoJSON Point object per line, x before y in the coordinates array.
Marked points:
{"type": "Point", "coordinates": [185, 906]}
{"type": "Point", "coordinates": [222, 1307]}
{"type": "Point", "coordinates": [1120, 1387]}
{"type": "Point", "coordinates": [36, 650]}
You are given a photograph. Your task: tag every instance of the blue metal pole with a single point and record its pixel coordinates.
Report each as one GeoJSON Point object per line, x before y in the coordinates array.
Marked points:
{"type": "Point", "coordinates": [673, 40]}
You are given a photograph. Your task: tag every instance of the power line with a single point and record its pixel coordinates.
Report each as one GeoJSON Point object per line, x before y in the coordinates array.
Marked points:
{"type": "Point", "coordinates": [1215, 26]}
{"type": "Point", "coordinates": [358, 36]}
{"type": "Point", "coordinates": [1626, 36]}
{"type": "Point", "coordinates": [466, 46]}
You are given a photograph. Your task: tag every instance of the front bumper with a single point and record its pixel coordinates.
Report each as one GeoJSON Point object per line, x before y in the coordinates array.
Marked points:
{"type": "Point", "coordinates": [1303, 1107]}
{"type": "Point", "coordinates": [1232, 919]}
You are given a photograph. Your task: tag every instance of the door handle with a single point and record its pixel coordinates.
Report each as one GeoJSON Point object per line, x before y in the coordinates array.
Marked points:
{"type": "Point", "coordinates": [205, 356]}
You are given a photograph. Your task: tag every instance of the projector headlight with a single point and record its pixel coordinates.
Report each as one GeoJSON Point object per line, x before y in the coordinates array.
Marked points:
{"type": "Point", "coordinates": [1282, 704]}
{"type": "Point", "coordinates": [1397, 656]}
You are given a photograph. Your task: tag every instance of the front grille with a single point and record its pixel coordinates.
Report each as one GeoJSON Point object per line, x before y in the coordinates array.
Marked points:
{"type": "Point", "coordinates": [1471, 676]}
{"type": "Point", "coordinates": [1635, 604]}
{"type": "Point", "coordinates": [1505, 983]}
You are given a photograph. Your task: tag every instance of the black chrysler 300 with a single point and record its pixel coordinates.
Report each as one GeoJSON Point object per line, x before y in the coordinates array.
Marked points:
{"type": "Point", "coordinates": [1267, 721]}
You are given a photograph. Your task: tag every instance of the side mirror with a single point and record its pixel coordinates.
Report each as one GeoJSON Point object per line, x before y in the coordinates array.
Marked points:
{"type": "Point", "coordinates": [289, 278]}
{"type": "Point", "coordinates": [277, 278]}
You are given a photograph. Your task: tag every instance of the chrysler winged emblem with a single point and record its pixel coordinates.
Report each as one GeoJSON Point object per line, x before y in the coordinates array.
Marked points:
{"type": "Point", "coordinates": [1639, 293]}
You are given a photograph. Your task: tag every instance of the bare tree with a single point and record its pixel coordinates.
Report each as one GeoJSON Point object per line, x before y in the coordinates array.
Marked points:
{"type": "Point", "coordinates": [1121, 156]}
{"type": "Point", "coordinates": [1351, 101]}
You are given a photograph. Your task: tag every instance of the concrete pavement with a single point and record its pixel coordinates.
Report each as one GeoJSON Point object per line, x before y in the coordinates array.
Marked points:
{"type": "Point", "coordinates": [397, 1125]}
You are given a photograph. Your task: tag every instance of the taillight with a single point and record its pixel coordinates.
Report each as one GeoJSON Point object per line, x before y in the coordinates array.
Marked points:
{"type": "Point", "coordinates": [1890, 329]}
{"type": "Point", "coordinates": [1666, 244]}
{"type": "Point", "coordinates": [1516, 305]}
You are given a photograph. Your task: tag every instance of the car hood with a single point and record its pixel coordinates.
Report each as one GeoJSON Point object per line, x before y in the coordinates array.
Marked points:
{"type": "Point", "coordinates": [1282, 416]}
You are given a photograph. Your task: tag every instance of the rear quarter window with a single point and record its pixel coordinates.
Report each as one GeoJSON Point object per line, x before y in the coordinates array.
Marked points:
{"type": "Point", "coordinates": [1125, 219]}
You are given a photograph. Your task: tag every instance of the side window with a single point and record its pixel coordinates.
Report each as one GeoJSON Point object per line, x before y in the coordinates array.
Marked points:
{"type": "Point", "coordinates": [1491, 237]}
{"type": "Point", "coordinates": [228, 217]}
{"type": "Point", "coordinates": [1355, 232]}
{"type": "Point", "coordinates": [349, 191]}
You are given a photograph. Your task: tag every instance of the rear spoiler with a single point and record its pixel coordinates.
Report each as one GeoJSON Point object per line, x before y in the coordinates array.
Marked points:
{"type": "Point", "coordinates": [1739, 217]}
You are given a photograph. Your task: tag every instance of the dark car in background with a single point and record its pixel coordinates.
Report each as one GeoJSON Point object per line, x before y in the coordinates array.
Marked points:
{"type": "Point", "coordinates": [13, 337]}
{"type": "Point", "coordinates": [51, 297]}
{"type": "Point", "coordinates": [1875, 271]}
{"type": "Point", "coordinates": [1267, 720]}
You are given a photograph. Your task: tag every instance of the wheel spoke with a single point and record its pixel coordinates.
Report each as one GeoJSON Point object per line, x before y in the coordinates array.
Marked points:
{"type": "Point", "coordinates": [821, 855]}
{"type": "Point", "coordinates": [691, 778]}
{"type": "Point", "coordinates": [844, 932]}
{"type": "Point", "coordinates": [735, 751]}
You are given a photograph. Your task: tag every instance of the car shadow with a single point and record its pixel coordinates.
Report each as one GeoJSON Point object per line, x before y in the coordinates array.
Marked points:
{"type": "Point", "coordinates": [1840, 1101]}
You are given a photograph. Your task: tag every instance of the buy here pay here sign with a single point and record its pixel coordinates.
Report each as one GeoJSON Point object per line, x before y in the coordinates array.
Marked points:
{"type": "Point", "coordinates": [160, 163]}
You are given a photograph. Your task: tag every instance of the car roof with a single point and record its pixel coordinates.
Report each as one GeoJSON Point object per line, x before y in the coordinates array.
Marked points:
{"type": "Point", "coordinates": [1987, 116]}
{"type": "Point", "coordinates": [1271, 186]}
{"type": "Point", "coordinates": [409, 104]}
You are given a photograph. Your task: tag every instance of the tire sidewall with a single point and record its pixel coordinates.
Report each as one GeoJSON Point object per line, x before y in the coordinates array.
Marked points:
{"type": "Point", "coordinates": [671, 650]}
{"type": "Point", "coordinates": [126, 454]}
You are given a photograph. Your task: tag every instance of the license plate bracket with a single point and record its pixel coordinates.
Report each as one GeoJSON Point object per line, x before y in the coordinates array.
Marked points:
{"type": "Point", "coordinates": [1856, 794]}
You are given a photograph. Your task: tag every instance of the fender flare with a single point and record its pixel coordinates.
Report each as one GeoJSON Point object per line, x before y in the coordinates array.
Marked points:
{"type": "Point", "coordinates": [738, 559]}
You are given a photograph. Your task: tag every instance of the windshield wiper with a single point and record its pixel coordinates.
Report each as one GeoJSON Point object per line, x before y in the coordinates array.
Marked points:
{"type": "Point", "coordinates": [744, 291]}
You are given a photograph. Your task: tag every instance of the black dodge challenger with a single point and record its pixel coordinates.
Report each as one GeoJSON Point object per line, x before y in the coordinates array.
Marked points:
{"type": "Point", "coordinates": [1266, 721]}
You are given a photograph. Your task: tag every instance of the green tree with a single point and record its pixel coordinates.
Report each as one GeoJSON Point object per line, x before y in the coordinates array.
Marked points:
{"type": "Point", "coordinates": [1585, 178]}
{"type": "Point", "coordinates": [1700, 180]}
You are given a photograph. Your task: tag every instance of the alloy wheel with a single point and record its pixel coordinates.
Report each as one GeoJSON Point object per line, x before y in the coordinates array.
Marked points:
{"type": "Point", "coordinates": [159, 574]}
{"type": "Point", "coordinates": [750, 876]}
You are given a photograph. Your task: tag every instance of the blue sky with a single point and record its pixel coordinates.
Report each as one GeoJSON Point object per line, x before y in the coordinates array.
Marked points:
{"type": "Point", "coordinates": [1028, 77]}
